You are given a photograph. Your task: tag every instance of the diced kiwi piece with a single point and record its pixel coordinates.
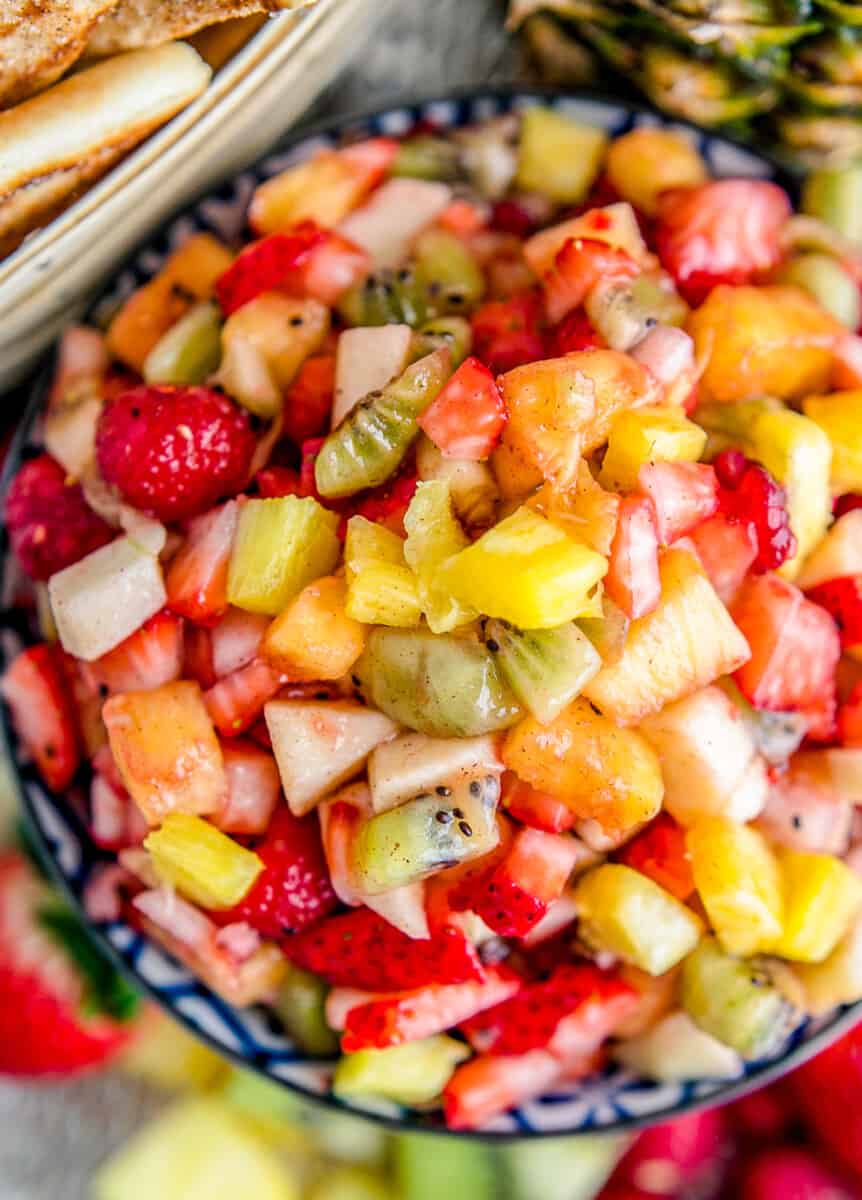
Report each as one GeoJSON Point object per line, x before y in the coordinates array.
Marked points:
{"type": "Point", "coordinates": [835, 197]}
{"type": "Point", "coordinates": [734, 1001]}
{"type": "Point", "coordinates": [428, 1169]}
{"type": "Point", "coordinates": [444, 686]}
{"type": "Point", "coordinates": [831, 285]}
{"type": "Point", "coordinates": [281, 545]}
{"type": "Point", "coordinates": [301, 1006]}
{"type": "Point", "coordinates": [624, 312]}
{"type": "Point", "coordinates": [414, 1073]}
{"type": "Point", "coordinates": [545, 668]}
{"type": "Point", "coordinates": [428, 833]}
{"type": "Point", "coordinates": [608, 632]}
{"type": "Point", "coordinates": [427, 157]}
{"type": "Point", "coordinates": [350, 1183]}
{"type": "Point", "coordinates": [452, 277]}
{"type": "Point", "coordinates": [454, 332]}
{"type": "Point", "coordinates": [777, 735]}
{"type": "Point", "coordinates": [369, 444]}
{"type": "Point", "coordinates": [189, 351]}
{"type": "Point", "coordinates": [388, 297]}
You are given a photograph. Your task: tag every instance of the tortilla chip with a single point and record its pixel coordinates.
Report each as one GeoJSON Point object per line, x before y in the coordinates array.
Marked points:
{"type": "Point", "coordinates": [135, 23]}
{"type": "Point", "coordinates": [39, 39]}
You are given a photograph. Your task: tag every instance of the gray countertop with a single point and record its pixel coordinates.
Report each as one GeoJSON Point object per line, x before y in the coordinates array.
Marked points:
{"type": "Point", "coordinates": [51, 1138]}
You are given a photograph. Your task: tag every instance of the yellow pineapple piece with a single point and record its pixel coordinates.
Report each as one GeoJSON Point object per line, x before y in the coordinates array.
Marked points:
{"type": "Point", "coordinates": [648, 435]}
{"type": "Point", "coordinates": [685, 643]}
{"type": "Point", "coordinates": [525, 570]}
{"type": "Point", "coordinates": [645, 162]}
{"type": "Point", "coordinates": [323, 190]}
{"type": "Point", "coordinates": [368, 543]}
{"type": "Point", "coordinates": [202, 863]}
{"type": "Point", "coordinates": [600, 771]}
{"type": "Point", "coordinates": [314, 638]}
{"type": "Point", "coordinates": [286, 331]}
{"type": "Point", "coordinates": [166, 750]}
{"type": "Point", "coordinates": [558, 156]}
{"type": "Point", "coordinates": [384, 593]}
{"type": "Point", "coordinates": [165, 1055]}
{"type": "Point", "coordinates": [434, 534]}
{"type": "Point", "coordinates": [838, 978]}
{"type": "Point", "coordinates": [739, 882]}
{"type": "Point", "coordinates": [514, 472]}
{"type": "Point", "coordinates": [821, 898]}
{"type": "Point", "coordinates": [839, 415]}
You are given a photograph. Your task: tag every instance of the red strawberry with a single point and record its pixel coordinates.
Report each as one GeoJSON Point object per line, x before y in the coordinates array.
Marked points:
{"type": "Point", "coordinates": [332, 267]}
{"type": "Point", "coordinates": [236, 702]}
{"type": "Point", "coordinates": [174, 451]}
{"type": "Point", "coordinates": [309, 401]}
{"type": "Point", "coordinates": [575, 332]}
{"type": "Point", "coordinates": [726, 551]}
{"type": "Point", "coordinates": [36, 690]}
{"type": "Point", "coordinates": [149, 657]}
{"type": "Point", "coordinates": [827, 1090]}
{"type": "Point", "coordinates": [842, 599]}
{"type": "Point", "coordinates": [508, 216]}
{"type": "Point", "coordinates": [683, 1158]}
{"type": "Point", "coordinates": [389, 503]}
{"type": "Point", "coordinates": [273, 482]}
{"type": "Point", "coordinates": [726, 231]}
{"type": "Point", "coordinates": [850, 718]}
{"type": "Point", "coordinates": [749, 495]}
{"type": "Point", "coordinates": [467, 418]}
{"type": "Point", "coordinates": [764, 1115]}
{"type": "Point", "coordinates": [410, 1015]}
{"type": "Point", "coordinates": [293, 890]}
{"type": "Point", "coordinates": [632, 580]}
{"type": "Point", "coordinates": [792, 1173]}
{"type": "Point", "coordinates": [507, 333]}
{"type": "Point", "coordinates": [359, 949]}
{"type": "Point", "coordinates": [48, 1026]}
{"type": "Point", "coordinates": [196, 580]}
{"type": "Point", "coordinates": [50, 525]}
{"type": "Point", "coordinates": [515, 894]}
{"type": "Point", "coordinates": [309, 451]}
{"type": "Point", "coordinates": [537, 809]}
{"type": "Point", "coordinates": [846, 503]}
{"type": "Point", "coordinates": [659, 852]}
{"type": "Point", "coordinates": [684, 494]}
{"type": "Point", "coordinates": [198, 661]}
{"type": "Point", "coordinates": [578, 1001]}
{"type": "Point", "coordinates": [253, 788]}
{"type": "Point", "coordinates": [578, 267]}
{"type": "Point", "coordinates": [264, 265]}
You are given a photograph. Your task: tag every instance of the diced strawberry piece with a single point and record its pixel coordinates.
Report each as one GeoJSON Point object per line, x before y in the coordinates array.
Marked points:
{"type": "Point", "coordinates": [537, 809]}
{"type": "Point", "coordinates": [685, 1157]}
{"type": "Point", "coordinates": [36, 691]}
{"type": "Point", "coordinates": [842, 599]}
{"type": "Point", "coordinates": [265, 265]}
{"type": "Point", "coordinates": [253, 788]}
{"type": "Point", "coordinates": [827, 1090]}
{"type": "Point", "coordinates": [387, 504]}
{"type": "Point", "coordinates": [683, 495]}
{"type": "Point", "coordinates": [850, 719]}
{"type": "Point", "coordinates": [198, 656]}
{"type": "Point", "coordinates": [659, 852]}
{"type": "Point", "coordinates": [82, 359]}
{"type": "Point", "coordinates": [116, 822]}
{"type": "Point", "coordinates": [236, 640]}
{"type": "Point", "coordinates": [149, 657]}
{"type": "Point", "coordinates": [575, 332]}
{"type": "Point", "coordinates": [515, 894]}
{"type": "Point", "coordinates": [726, 550]}
{"type": "Point", "coordinates": [795, 647]}
{"type": "Point", "coordinates": [632, 581]}
{"type": "Point", "coordinates": [589, 1002]}
{"type": "Point", "coordinates": [793, 1173]}
{"type": "Point", "coordinates": [467, 418]}
{"type": "Point", "coordinates": [442, 890]}
{"type": "Point", "coordinates": [845, 504]}
{"type": "Point", "coordinates": [507, 333]}
{"type": "Point", "coordinates": [235, 702]}
{"type": "Point", "coordinates": [577, 268]}
{"type": "Point", "coordinates": [749, 495]}
{"type": "Point", "coordinates": [196, 579]}
{"type": "Point", "coordinates": [360, 949]}
{"type": "Point", "coordinates": [510, 216]}
{"type": "Point", "coordinates": [309, 400]}
{"type": "Point", "coordinates": [174, 452]}
{"type": "Point", "coordinates": [293, 889]}
{"type": "Point", "coordinates": [274, 482]}
{"type": "Point", "coordinates": [49, 522]}
{"type": "Point", "coordinates": [410, 1015]}
{"type": "Point", "coordinates": [463, 217]}
{"type": "Point", "coordinates": [370, 159]}
{"type": "Point", "coordinates": [309, 451]}
{"type": "Point", "coordinates": [330, 269]}
{"type": "Point", "coordinates": [260, 734]}
{"type": "Point", "coordinates": [726, 231]}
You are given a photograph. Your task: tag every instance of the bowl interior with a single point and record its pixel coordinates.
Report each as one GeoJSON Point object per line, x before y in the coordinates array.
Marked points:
{"type": "Point", "coordinates": [613, 1100]}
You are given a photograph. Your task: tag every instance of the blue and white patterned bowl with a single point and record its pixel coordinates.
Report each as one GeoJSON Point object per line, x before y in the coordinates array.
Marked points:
{"type": "Point", "coordinates": [614, 1100]}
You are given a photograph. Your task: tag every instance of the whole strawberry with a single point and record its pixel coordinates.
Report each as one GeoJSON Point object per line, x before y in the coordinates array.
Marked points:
{"type": "Point", "coordinates": [50, 524]}
{"type": "Point", "coordinates": [174, 451]}
{"type": "Point", "coordinates": [828, 1091]}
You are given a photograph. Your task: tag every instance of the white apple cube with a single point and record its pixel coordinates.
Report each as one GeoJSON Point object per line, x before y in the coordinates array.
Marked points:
{"type": "Point", "coordinates": [675, 1050]}
{"type": "Point", "coordinates": [367, 358]}
{"type": "Point", "coordinates": [98, 602]}
{"type": "Point", "coordinates": [388, 224]}
{"type": "Point", "coordinates": [413, 763]}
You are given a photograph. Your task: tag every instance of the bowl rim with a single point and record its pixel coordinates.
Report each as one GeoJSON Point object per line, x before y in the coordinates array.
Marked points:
{"type": "Point", "coordinates": [344, 125]}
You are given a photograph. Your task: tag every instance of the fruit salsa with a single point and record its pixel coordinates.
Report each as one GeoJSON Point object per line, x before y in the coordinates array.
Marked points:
{"type": "Point", "coordinates": [455, 597]}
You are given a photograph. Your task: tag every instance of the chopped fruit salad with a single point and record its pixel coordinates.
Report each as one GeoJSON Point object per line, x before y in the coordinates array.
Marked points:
{"type": "Point", "coordinates": [454, 596]}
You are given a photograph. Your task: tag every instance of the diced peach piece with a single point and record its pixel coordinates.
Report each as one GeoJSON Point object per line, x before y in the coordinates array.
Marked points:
{"type": "Point", "coordinates": [314, 638]}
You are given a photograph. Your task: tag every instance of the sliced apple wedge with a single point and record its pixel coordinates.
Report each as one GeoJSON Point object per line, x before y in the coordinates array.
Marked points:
{"type": "Point", "coordinates": [414, 763]}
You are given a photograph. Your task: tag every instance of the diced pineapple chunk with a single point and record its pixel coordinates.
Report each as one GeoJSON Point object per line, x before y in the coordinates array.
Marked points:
{"type": "Point", "coordinates": [323, 190]}
{"type": "Point", "coordinates": [739, 882]}
{"type": "Point", "coordinates": [415, 1073]}
{"type": "Point", "coordinates": [166, 1055]}
{"type": "Point", "coordinates": [314, 638]}
{"type": "Point", "coordinates": [320, 745]}
{"type": "Point", "coordinates": [821, 898]}
{"type": "Point", "coordinates": [840, 418]}
{"type": "Point", "coordinates": [166, 750]}
{"type": "Point", "coordinates": [285, 330]}
{"type": "Point", "coordinates": [836, 980]}
{"type": "Point", "coordinates": [558, 156]}
{"type": "Point", "coordinates": [527, 571]}
{"type": "Point", "coordinates": [434, 535]}
{"type": "Point", "coordinates": [586, 512]}
{"type": "Point", "coordinates": [837, 555]}
{"type": "Point", "coordinates": [202, 863]}
{"type": "Point", "coordinates": [368, 543]}
{"type": "Point", "coordinates": [648, 435]}
{"type": "Point", "coordinates": [645, 162]}
{"type": "Point", "coordinates": [629, 915]}
{"type": "Point", "coordinates": [688, 641]}
{"type": "Point", "coordinates": [280, 546]}
{"type": "Point", "coordinates": [384, 593]}
{"type": "Point", "coordinates": [600, 771]}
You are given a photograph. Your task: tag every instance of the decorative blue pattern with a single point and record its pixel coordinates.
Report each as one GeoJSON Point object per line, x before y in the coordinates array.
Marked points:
{"type": "Point", "coordinates": [614, 1099]}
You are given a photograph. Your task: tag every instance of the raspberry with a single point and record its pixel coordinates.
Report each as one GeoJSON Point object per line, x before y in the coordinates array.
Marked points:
{"type": "Point", "coordinates": [50, 524]}
{"type": "Point", "coordinates": [174, 451]}
{"type": "Point", "coordinates": [749, 495]}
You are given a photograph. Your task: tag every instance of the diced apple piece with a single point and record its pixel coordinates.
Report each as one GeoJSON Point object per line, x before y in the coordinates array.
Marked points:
{"type": "Point", "coordinates": [285, 330]}
{"type": "Point", "coordinates": [166, 750]}
{"type": "Point", "coordinates": [102, 599]}
{"type": "Point", "coordinates": [708, 759]}
{"type": "Point", "coordinates": [836, 980]}
{"type": "Point", "coordinates": [388, 223]}
{"type": "Point", "coordinates": [675, 1050]}
{"type": "Point", "coordinates": [684, 644]}
{"type": "Point", "coordinates": [366, 360]}
{"type": "Point", "coordinates": [838, 555]}
{"type": "Point", "coordinates": [413, 763]}
{"type": "Point", "coordinates": [319, 746]}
